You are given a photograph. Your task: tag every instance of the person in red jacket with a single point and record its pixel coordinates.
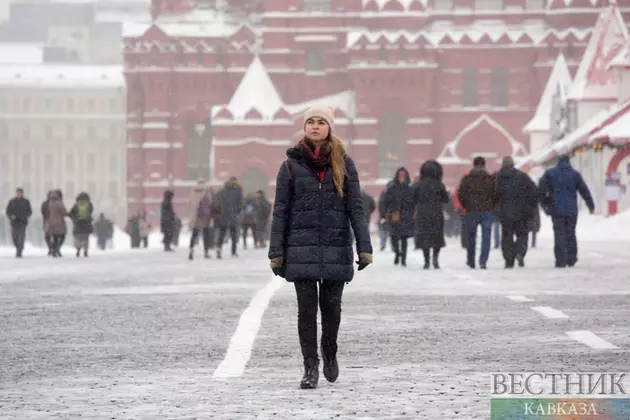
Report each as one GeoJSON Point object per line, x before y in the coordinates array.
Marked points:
{"type": "Point", "coordinates": [462, 212]}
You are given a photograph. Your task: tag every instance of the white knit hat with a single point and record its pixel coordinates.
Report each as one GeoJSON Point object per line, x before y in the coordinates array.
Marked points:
{"type": "Point", "coordinates": [321, 111]}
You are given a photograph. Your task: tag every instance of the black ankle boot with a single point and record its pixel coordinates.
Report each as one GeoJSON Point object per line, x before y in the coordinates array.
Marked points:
{"type": "Point", "coordinates": [331, 368]}
{"type": "Point", "coordinates": [397, 259]}
{"type": "Point", "coordinates": [311, 374]}
{"type": "Point", "coordinates": [436, 263]}
{"type": "Point", "coordinates": [427, 265]}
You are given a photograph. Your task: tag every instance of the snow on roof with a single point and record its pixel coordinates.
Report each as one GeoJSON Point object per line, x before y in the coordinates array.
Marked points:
{"type": "Point", "coordinates": [199, 23]}
{"type": "Point", "coordinates": [560, 77]}
{"type": "Point", "coordinates": [14, 53]}
{"type": "Point", "coordinates": [593, 80]}
{"type": "Point", "coordinates": [66, 76]}
{"type": "Point", "coordinates": [256, 91]}
{"type": "Point", "coordinates": [622, 59]}
{"type": "Point", "coordinates": [619, 129]}
{"type": "Point", "coordinates": [581, 134]}
{"type": "Point", "coordinates": [404, 3]}
{"type": "Point", "coordinates": [475, 33]}
{"type": "Point", "coordinates": [568, 3]}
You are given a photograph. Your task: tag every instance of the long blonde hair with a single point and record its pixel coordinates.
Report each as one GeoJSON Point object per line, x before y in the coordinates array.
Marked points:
{"type": "Point", "coordinates": [337, 161]}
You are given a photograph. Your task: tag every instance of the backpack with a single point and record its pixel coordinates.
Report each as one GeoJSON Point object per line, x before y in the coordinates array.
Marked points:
{"type": "Point", "coordinates": [249, 207]}
{"type": "Point", "coordinates": [83, 210]}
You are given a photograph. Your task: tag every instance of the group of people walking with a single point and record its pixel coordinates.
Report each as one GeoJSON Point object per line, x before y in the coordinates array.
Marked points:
{"type": "Point", "coordinates": [54, 214]}
{"type": "Point", "coordinates": [226, 212]}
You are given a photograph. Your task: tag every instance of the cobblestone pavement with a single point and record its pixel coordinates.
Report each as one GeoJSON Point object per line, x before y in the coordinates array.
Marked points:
{"type": "Point", "coordinates": [138, 335]}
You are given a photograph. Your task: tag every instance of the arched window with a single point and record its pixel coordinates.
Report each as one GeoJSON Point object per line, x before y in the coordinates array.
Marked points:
{"type": "Point", "coordinates": [198, 157]}
{"type": "Point", "coordinates": [392, 143]}
{"type": "Point", "coordinates": [499, 87]}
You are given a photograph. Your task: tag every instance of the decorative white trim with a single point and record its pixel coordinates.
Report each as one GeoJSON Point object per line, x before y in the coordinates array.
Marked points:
{"type": "Point", "coordinates": [155, 145]}
{"type": "Point", "coordinates": [364, 142]}
{"type": "Point", "coordinates": [419, 120]}
{"type": "Point", "coordinates": [420, 141]}
{"type": "Point", "coordinates": [242, 142]}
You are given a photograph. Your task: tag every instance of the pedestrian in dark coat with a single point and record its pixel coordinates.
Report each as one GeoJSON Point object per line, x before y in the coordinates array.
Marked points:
{"type": "Point", "coordinates": [399, 213]}
{"type": "Point", "coordinates": [81, 216]}
{"type": "Point", "coordinates": [230, 199]}
{"type": "Point", "coordinates": [263, 211]}
{"type": "Point", "coordinates": [518, 201]}
{"type": "Point", "coordinates": [318, 200]}
{"type": "Point", "coordinates": [477, 195]}
{"type": "Point", "coordinates": [19, 211]}
{"type": "Point", "coordinates": [430, 196]}
{"type": "Point", "coordinates": [104, 230]}
{"type": "Point", "coordinates": [562, 184]}
{"type": "Point", "coordinates": [383, 224]}
{"type": "Point", "coordinates": [369, 206]}
{"type": "Point", "coordinates": [167, 220]}
{"type": "Point", "coordinates": [45, 215]}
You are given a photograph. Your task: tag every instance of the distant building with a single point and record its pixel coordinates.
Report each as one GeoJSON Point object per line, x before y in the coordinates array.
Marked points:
{"type": "Point", "coordinates": [63, 127]}
{"type": "Point", "coordinates": [410, 80]}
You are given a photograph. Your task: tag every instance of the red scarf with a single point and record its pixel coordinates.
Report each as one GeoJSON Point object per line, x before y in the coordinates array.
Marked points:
{"type": "Point", "coordinates": [318, 158]}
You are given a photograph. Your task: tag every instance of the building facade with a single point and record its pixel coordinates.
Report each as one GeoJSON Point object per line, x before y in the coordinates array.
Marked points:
{"type": "Point", "coordinates": [64, 128]}
{"type": "Point", "coordinates": [410, 80]}
{"type": "Point", "coordinates": [598, 108]}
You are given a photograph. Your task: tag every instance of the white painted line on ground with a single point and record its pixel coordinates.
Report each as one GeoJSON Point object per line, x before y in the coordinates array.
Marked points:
{"type": "Point", "coordinates": [591, 340]}
{"type": "Point", "coordinates": [240, 349]}
{"type": "Point", "coordinates": [549, 312]}
{"type": "Point", "coordinates": [519, 298]}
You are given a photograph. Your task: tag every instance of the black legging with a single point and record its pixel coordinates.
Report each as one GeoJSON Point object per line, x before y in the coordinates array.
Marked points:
{"type": "Point", "coordinates": [330, 294]}
{"type": "Point", "coordinates": [400, 246]}
{"type": "Point", "coordinates": [427, 254]}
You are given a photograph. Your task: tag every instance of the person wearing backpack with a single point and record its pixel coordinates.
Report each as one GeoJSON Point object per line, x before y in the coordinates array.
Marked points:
{"type": "Point", "coordinates": [200, 218]}
{"type": "Point", "coordinates": [81, 216]}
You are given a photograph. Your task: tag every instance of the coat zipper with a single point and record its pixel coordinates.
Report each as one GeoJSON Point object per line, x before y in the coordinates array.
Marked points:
{"type": "Point", "coordinates": [321, 204]}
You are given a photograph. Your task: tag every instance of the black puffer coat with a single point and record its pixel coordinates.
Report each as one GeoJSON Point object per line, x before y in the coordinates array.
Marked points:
{"type": "Point", "coordinates": [311, 223]}
{"type": "Point", "coordinates": [517, 195]}
{"type": "Point", "coordinates": [399, 200]}
{"type": "Point", "coordinates": [167, 215]}
{"type": "Point", "coordinates": [430, 196]}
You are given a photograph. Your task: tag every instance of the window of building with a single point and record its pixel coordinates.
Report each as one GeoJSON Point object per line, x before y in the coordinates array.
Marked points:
{"type": "Point", "coordinates": [499, 87]}
{"type": "Point", "coordinates": [534, 4]}
{"type": "Point", "coordinates": [382, 54]}
{"type": "Point", "coordinates": [489, 5]}
{"type": "Point", "coordinates": [91, 132]}
{"type": "Point", "coordinates": [200, 57]}
{"type": "Point", "coordinates": [315, 61]}
{"type": "Point", "coordinates": [91, 189]}
{"type": "Point", "coordinates": [316, 5]}
{"type": "Point", "coordinates": [49, 104]}
{"type": "Point", "coordinates": [70, 105]}
{"type": "Point", "coordinates": [113, 105]}
{"type": "Point", "coordinates": [69, 191]}
{"type": "Point", "coordinates": [4, 192]}
{"type": "Point", "coordinates": [49, 132]}
{"type": "Point", "coordinates": [70, 132]}
{"type": "Point", "coordinates": [113, 163]}
{"type": "Point", "coordinates": [91, 104]}
{"type": "Point", "coordinates": [26, 163]}
{"type": "Point", "coordinates": [112, 191]}
{"type": "Point", "coordinates": [70, 163]}
{"type": "Point", "coordinates": [443, 5]}
{"type": "Point", "coordinates": [91, 163]}
{"type": "Point", "coordinates": [48, 164]}
{"type": "Point", "coordinates": [26, 104]}
{"type": "Point", "coordinates": [26, 132]}
{"type": "Point", "coordinates": [113, 132]}
{"type": "Point", "coordinates": [28, 189]}
{"type": "Point", "coordinates": [392, 144]}
{"type": "Point", "coordinates": [4, 163]}
{"type": "Point", "coordinates": [469, 87]}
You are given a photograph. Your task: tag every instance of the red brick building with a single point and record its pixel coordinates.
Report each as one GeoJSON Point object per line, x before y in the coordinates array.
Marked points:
{"type": "Point", "coordinates": [213, 94]}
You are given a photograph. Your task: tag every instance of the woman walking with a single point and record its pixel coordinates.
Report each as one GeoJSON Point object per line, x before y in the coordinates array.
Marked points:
{"type": "Point", "coordinates": [430, 196]}
{"type": "Point", "coordinates": [318, 198]}
{"type": "Point", "coordinates": [399, 214]}
{"type": "Point", "coordinates": [56, 223]}
{"type": "Point", "coordinates": [200, 218]}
